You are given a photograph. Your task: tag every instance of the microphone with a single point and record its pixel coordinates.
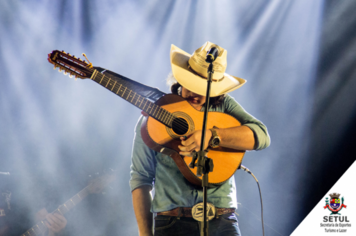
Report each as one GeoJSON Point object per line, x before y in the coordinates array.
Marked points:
{"type": "Point", "coordinates": [211, 55]}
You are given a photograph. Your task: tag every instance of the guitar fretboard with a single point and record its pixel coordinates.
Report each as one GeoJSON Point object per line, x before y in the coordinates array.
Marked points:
{"type": "Point", "coordinates": [41, 227]}
{"type": "Point", "coordinates": [157, 112]}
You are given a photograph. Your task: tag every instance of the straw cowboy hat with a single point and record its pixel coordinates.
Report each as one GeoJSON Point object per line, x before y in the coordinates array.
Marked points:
{"type": "Point", "coordinates": [191, 71]}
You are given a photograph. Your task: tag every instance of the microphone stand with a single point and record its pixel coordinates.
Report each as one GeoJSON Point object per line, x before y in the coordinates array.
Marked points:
{"type": "Point", "coordinates": [204, 164]}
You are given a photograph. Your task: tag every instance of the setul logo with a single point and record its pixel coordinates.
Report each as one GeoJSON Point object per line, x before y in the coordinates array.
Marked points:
{"type": "Point", "coordinates": [335, 206]}
{"type": "Point", "coordinates": [335, 222]}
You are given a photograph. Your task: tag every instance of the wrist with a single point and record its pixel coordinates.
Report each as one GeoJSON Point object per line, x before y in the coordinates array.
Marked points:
{"type": "Point", "coordinates": [215, 139]}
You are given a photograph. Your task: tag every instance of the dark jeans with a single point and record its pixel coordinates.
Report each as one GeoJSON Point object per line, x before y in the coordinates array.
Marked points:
{"type": "Point", "coordinates": [225, 225]}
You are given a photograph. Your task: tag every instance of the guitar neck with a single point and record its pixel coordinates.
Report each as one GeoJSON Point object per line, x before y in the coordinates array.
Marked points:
{"type": "Point", "coordinates": [135, 99]}
{"type": "Point", "coordinates": [41, 227]}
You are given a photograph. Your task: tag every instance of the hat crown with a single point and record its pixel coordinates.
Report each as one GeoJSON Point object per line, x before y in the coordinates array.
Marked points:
{"type": "Point", "coordinates": [191, 71]}
{"type": "Point", "coordinates": [199, 65]}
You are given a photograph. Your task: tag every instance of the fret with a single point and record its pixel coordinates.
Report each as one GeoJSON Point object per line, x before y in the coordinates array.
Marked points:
{"type": "Point", "coordinates": [133, 96]}
{"type": "Point", "coordinates": [107, 82]}
{"type": "Point", "coordinates": [93, 75]}
{"type": "Point", "coordinates": [67, 203]}
{"type": "Point", "coordinates": [113, 85]}
{"type": "Point", "coordinates": [164, 115]}
{"type": "Point", "coordinates": [124, 92]}
{"type": "Point", "coordinates": [128, 95]}
{"type": "Point", "coordinates": [170, 119]}
{"type": "Point", "coordinates": [149, 108]}
{"type": "Point", "coordinates": [137, 99]}
{"type": "Point", "coordinates": [141, 101]}
{"type": "Point", "coordinates": [118, 89]}
{"type": "Point", "coordinates": [63, 209]}
{"type": "Point", "coordinates": [102, 79]}
{"type": "Point", "coordinates": [78, 198]}
{"type": "Point", "coordinates": [59, 211]}
{"type": "Point", "coordinates": [159, 116]}
{"type": "Point", "coordinates": [39, 229]}
{"type": "Point", "coordinates": [145, 104]}
{"type": "Point", "coordinates": [74, 201]}
{"type": "Point", "coordinates": [153, 114]}
{"type": "Point", "coordinates": [43, 224]}
{"type": "Point", "coordinates": [159, 111]}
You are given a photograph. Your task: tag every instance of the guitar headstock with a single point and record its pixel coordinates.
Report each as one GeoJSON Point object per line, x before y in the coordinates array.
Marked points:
{"type": "Point", "coordinates": [101, 180]}
{"type": "Point", "coordinates": [70, 64]}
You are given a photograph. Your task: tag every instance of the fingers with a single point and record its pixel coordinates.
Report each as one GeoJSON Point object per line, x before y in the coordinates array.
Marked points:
{"type": "Point", "coordinates": [188, 146]}
{"type": "Point", "coordinates": [187, 154]}
{"type": "Point", "coordinates": [192, 143]}
{"type": "Point", "coordinates": [186, 151]}
{"type": "Point", "coordinates": [55, 222]}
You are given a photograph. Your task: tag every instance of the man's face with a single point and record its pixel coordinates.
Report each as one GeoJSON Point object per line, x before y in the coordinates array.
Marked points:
{"type": "Point", "coordinates": [196, 100]}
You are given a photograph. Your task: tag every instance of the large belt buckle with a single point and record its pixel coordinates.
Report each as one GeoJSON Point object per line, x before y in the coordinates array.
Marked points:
{"type": "Point", "coordinates": [197, 211]}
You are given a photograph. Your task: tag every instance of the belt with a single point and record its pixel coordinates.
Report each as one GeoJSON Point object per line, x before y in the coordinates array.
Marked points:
{"type": "Point", "coordinates": [187, 211]}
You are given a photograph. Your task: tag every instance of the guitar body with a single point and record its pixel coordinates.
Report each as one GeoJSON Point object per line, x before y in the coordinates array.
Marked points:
{"type": "Point", "coordinates": [163, 139]}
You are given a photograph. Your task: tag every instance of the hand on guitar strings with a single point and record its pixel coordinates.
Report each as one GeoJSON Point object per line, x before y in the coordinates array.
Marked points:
{"type": "Point", "coordinates": [192, 143]}
{"type": "Point", "coordinates": [55, 222]}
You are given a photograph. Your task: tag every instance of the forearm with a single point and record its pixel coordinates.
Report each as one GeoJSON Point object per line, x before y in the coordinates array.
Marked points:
{"type": "Point", "coordinates": [239, 138]}
{"type": "Point", "coordinates": [141, 199]}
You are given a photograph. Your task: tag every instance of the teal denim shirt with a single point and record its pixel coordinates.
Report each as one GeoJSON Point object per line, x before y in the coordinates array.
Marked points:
{"type": "Point", "coordinates": [171, 189]}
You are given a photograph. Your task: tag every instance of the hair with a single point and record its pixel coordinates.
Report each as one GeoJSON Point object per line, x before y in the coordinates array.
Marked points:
{"type": "Point", "coordinates": [176, 88]}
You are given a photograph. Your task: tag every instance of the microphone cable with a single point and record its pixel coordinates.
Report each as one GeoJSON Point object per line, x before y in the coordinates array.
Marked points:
{"type": "Point", "coordinates": [259, 190]}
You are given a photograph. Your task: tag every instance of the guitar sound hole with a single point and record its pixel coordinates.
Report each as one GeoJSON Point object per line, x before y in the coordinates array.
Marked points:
{"type": "Point", "coordinates": [180, 126]}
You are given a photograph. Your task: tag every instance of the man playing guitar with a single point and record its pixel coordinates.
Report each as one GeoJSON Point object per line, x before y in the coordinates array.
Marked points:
{"type": "Point", "coordinates": [175, 201]}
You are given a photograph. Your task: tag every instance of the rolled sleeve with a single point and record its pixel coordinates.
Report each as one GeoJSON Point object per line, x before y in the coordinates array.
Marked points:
{"type": "Point", "coordinates": [143, 164]}
{"type": "Point", "coordinates": [262, 139]}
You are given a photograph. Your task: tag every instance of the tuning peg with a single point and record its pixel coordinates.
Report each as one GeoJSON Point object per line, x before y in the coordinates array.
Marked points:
{"type": "Point", "coordinates": [68, 54]}
{"type": "Point", "coordinates": [90, 64]}
{"type": "Point", "coordinates": [70, 76]}
{"type": "Point", "coordinates": [55, 67]}
{"type": "Point", "coordinates": [59, 70]}
{"type": "Point", "coordinates": [65, 72]}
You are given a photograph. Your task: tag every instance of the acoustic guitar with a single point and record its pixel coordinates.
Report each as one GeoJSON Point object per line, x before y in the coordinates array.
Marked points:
{"type": "Point", "coordinates": [95, 186]}
{"type": "Point", "coordinates": [170, 118]}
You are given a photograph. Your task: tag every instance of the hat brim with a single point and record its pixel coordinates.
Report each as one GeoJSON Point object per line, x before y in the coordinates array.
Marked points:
{"type": "Point", "coordinates": [197, 83]}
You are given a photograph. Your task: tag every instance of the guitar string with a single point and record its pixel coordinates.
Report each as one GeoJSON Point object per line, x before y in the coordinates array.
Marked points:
{"type": "Point", "coordinates": [182, 127]}
{"type": "Point", "coordinates": [180, 124]}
